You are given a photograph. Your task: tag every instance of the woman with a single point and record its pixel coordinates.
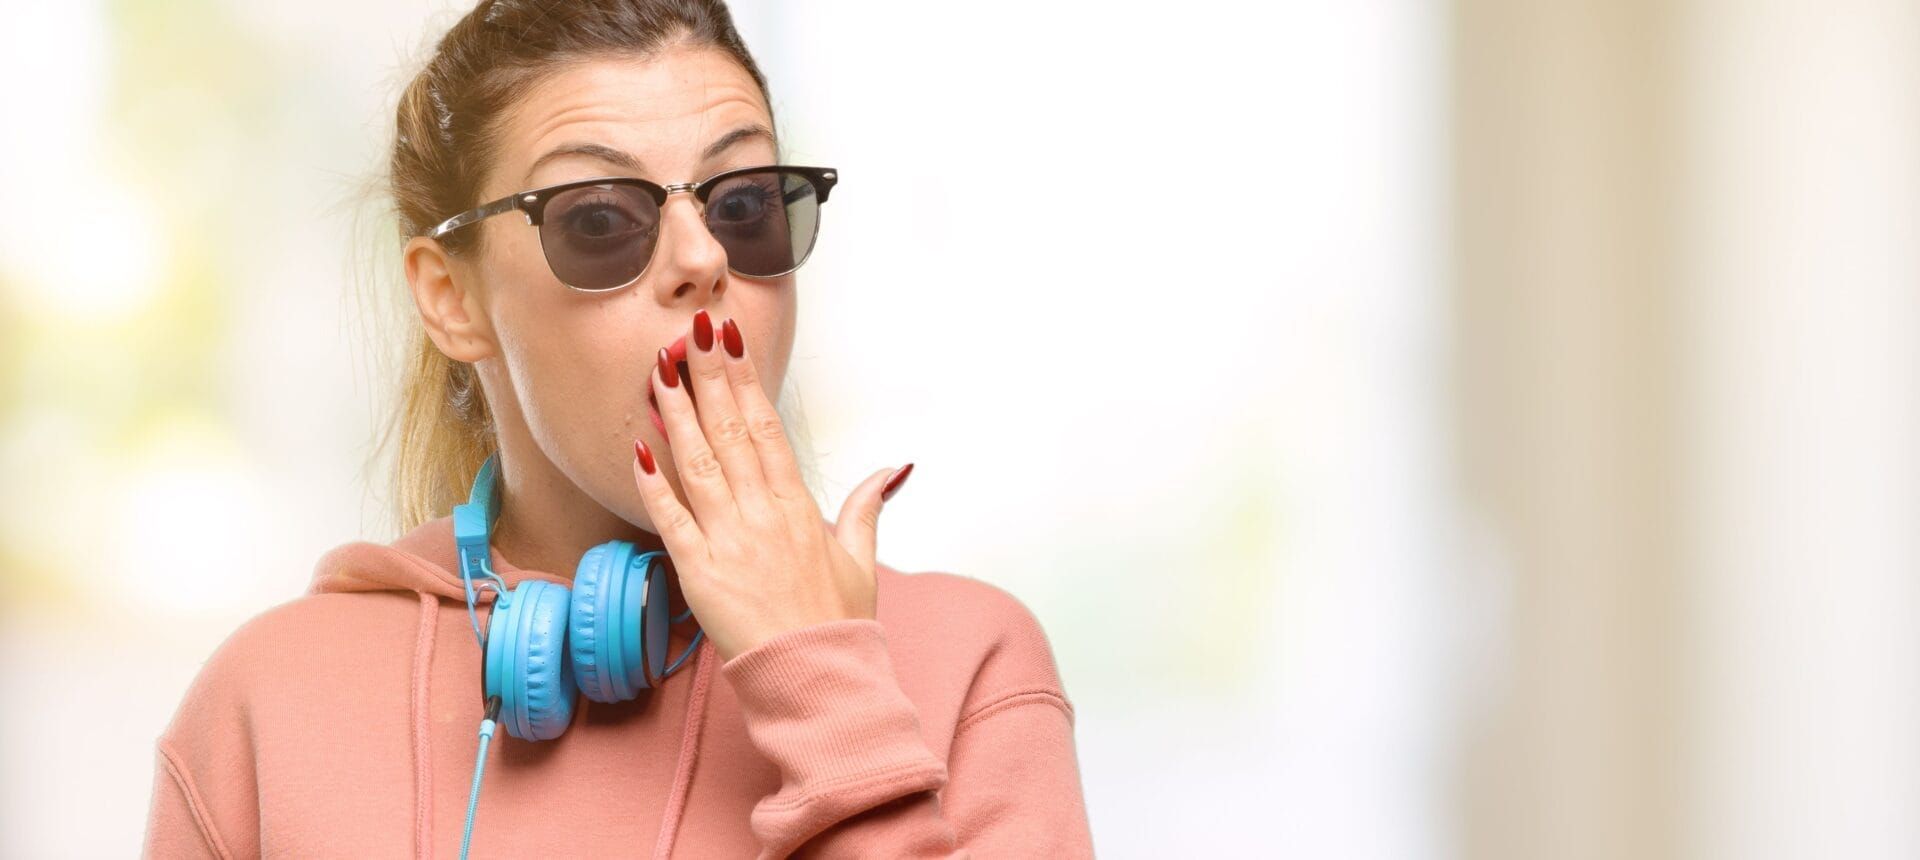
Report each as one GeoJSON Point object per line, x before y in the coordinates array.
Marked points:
{"type": "Point", "coordinates": [822, 704]}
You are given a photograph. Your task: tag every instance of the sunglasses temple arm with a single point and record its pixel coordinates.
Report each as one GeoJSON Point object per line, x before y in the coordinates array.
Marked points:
{"type": "Point", "coordinates": [470, 216]}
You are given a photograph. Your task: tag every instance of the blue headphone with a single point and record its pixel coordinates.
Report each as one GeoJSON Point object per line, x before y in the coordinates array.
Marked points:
{"type": "Point", "coordinates": [606, 637]}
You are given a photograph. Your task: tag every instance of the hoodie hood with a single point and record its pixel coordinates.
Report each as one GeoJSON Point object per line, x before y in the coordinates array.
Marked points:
{"type": "Point", "coordinates": [423, 560]}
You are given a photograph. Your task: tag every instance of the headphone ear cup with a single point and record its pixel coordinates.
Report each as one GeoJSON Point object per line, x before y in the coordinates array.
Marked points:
{"type": "Point", "coordinates": [649, 585]}
{"type": "Point", "coordinates": [603, 634]}
{"type": "Point", "coordinates": [527, 665]}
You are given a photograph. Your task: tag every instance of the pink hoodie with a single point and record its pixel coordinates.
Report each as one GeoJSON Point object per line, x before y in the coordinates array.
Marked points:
{"type": "Point", "coordinates": [344, 724]}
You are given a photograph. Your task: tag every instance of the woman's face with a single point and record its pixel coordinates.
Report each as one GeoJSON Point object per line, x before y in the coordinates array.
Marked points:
{"type": "Point", "coordinates": [567, 372]}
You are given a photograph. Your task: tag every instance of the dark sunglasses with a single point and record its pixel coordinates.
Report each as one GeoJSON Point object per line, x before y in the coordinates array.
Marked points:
{"type": "Point", "coordinates": [599, 234]}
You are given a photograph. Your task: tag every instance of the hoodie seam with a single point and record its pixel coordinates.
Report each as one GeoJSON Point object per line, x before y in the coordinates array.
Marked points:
{"type": "Point", "coordinates": [1012, 699]}
{"type": "Point", "coordinates": [886, 778]}
{"type": "Point", "coordinates": [184, 781]}
{"type": "Point", "coordinates": [689, 752]}
{"type": "Point", "coordinates": [422, 738]}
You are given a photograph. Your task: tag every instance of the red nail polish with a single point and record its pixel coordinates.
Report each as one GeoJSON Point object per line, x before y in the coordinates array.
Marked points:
{"type": "Point", "coordinates": [645, 454]}
{"type": "Point", "coordinates": [702, 330]}
{"type": "Point", "coordinates": [731, 333]}
{"type": "Point", "coordinates": [893, 483]}
{"type": "Point", "coordinates": [668, 374]}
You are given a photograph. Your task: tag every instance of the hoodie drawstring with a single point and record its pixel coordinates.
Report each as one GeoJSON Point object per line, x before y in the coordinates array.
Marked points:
{"type": "Point", "coordinates": [689, 753]}
{"type": "Point", "coordinates": [422, 749]}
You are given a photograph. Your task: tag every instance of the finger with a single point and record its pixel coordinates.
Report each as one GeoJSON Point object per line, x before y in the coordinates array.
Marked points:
{"type": "Point", "coordinates": [671, 520]}
{"type": "Point", "coordinates": [720, 416]}
{"type": "Point", "coordinates": [700, 472]}
{"type": "Point", "coordinates": [858, 527]}
{"type": "Point", "coordinates": [764, 427]}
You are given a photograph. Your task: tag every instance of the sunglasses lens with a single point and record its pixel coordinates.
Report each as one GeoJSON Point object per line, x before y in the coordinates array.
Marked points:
{"type": "Point", "coordinates": [600, 236]}
{"type": "Point", "coordinates": [765, 219]}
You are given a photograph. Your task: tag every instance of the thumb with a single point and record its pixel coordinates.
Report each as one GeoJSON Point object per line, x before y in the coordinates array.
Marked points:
{"type": "Point", "coordinates": [859, 524]}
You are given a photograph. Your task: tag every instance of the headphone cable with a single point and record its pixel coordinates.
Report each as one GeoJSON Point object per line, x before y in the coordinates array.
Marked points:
{"type": "Point", "coordinates": [487, 724]}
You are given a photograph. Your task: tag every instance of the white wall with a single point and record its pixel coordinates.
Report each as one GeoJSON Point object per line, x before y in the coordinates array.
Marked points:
{"type": "Point", "coordinates": [1802, 366]}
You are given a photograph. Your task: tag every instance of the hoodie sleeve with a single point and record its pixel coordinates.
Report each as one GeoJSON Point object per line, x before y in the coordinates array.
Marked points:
{"type": "Point", "coordinates": [858, 780]}
{"type": "Point", "coordinates": [178, 824]}
{"type": "Point", "coordinates": [205, 802]}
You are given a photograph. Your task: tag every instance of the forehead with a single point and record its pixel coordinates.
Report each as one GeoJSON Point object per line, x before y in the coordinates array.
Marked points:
{"type": "Point", "coordinates": [664, 111]}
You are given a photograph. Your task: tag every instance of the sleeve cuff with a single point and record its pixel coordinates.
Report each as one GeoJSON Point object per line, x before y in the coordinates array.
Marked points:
{"type": "Point", "coordinates": [822, 703]}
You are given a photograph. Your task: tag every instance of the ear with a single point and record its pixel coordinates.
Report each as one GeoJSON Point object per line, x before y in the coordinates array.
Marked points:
{"type": "Point", "coordinates": [448, 305]}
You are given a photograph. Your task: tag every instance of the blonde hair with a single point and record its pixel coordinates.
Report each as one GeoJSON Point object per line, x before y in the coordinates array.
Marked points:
{"type": "Point", "coordinates": [444, 140]}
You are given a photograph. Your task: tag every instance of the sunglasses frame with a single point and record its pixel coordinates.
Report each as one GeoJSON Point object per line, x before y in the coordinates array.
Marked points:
{"type": "Point", "coordinates": [533, 203]}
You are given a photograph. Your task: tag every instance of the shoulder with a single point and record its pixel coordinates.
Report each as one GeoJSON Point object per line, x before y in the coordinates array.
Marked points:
{"type": "Point", "coordinates": [271, 684]}
{"type": "Point", "coordinates": [970, 633]}
{"type": "Point", "coordinates": [958, 606]}
{"type": "Point", "coordinates": [274, 657]}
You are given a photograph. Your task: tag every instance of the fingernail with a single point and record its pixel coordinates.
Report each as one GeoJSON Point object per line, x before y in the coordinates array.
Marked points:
{"type": "Point", "coordinates": [731, 333]}
{"type": "Point", "coordinates": [645, 454]}
{"type": "Point", "coordinates": [668, 374]}
{"type": "Point", "coordinates": [894, 482]}
{"type": "Point", "coordinates": [702, 330]}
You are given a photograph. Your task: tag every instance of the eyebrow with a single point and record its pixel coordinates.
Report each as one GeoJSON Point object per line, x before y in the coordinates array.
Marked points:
{"type": "Point", "coordinates": [627, 162]}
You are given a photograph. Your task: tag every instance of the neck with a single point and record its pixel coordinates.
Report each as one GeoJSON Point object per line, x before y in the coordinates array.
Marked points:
{"type": "Point", "coordinates": [547, 523]}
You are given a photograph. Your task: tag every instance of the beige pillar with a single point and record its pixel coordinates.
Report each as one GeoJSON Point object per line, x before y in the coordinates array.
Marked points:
{"type": "Point", "coordinates": [1564, 345]}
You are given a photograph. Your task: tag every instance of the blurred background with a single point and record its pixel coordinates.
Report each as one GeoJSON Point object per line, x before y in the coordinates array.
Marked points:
{"type": "Point", "coordinates": [1472, 429]}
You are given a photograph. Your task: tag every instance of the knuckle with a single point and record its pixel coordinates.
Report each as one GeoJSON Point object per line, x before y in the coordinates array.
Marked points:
{"type": "Point", "coordinates": [730, 429]}
{"type": "Point", "coordinates": [677, 519]}
{"type": "Point", "coordinates": [768, 427]}
{"type": "Point", "coordinates": [702, 464]}
{"type": "Point", "coordinates": [795, 505]}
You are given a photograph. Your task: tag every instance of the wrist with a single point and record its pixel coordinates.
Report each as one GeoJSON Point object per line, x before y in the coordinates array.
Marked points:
{"type": "Point", "coordinates": [733, 647]}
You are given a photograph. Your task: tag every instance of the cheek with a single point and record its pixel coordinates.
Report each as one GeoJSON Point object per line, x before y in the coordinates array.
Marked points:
{"type": "Point", "coordinates": [775, 342]}
{"type": "Point", "coordinates": [770, 363]}
{"type": "Point", "coordinates": [577, 375]}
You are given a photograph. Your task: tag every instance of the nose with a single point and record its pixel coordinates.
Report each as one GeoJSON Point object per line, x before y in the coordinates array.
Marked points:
{"type": "Point", "coordinates": [693, 265]}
